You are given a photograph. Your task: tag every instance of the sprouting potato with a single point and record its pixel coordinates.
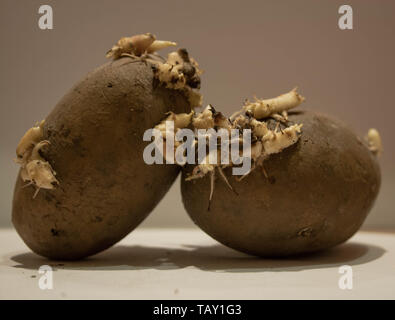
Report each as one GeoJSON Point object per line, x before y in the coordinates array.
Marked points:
{"type": "Point", "coordinates": [311, 195]}
{"type": "Point", "coordinates": [93, 142]}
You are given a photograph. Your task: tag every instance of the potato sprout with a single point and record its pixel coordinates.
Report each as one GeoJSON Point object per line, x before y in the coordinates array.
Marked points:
{"type": "Point", "coordinates": [34, 168]}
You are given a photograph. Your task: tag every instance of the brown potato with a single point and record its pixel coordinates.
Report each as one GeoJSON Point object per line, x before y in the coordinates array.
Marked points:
{"type": "Point", "coordinates": [96, 148]}
{"type": "Point", "coordinates": [317, 194]}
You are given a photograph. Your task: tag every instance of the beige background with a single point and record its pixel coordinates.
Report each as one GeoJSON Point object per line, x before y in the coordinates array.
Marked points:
{"type": "Point", "coordinates": [246, 47]}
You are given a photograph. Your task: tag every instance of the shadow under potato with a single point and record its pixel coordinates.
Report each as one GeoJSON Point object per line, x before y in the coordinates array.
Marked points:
{"type": "Point", "coordinates": [207, 258]}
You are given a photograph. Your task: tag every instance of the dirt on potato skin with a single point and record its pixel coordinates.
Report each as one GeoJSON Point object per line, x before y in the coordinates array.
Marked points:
{"type": "Point", "coordinates": [318, 194]}
{"type": "Point", "coordinates": [96, 148]}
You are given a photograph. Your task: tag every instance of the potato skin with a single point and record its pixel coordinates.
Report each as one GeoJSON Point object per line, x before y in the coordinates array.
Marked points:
{"type": "Point", "coordinates": [106, 189]}
{"type": "Point", "coordinates": [318, 194]}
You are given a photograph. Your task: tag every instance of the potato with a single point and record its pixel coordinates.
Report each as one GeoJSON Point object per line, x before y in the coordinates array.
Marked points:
{"type": "Point", "coordinates": [317, 194]}
{"type": "Point", "coordinates": [96, 145]}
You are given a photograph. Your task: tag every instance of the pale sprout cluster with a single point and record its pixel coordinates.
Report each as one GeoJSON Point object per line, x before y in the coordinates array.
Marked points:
{"type": "Point", "coordinates": [137, 45]}
{"type": "Point", "coordinates": [179, 71]}
{"type": "Point", "coordinates": [35, 170]}
{"type": "Point", "coordinates": [374, 142]}
{"type": "Point", "coordinates": [252, 117]}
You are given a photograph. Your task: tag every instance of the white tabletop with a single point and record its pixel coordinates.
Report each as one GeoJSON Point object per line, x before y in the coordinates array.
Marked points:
{"type": "Point", "coordinates": [187, 264]}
